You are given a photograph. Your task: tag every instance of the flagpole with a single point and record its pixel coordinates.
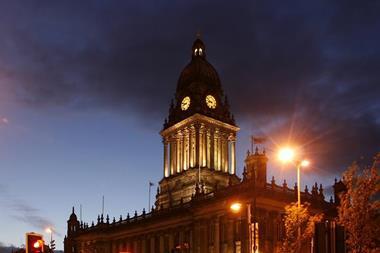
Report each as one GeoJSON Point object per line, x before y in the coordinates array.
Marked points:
{"type": "Point", "coordinates": [102, 204]}
{"type": "Point", "coordinates": [150, 185]}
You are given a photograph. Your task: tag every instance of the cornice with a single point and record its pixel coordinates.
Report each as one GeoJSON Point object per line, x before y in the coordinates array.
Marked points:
{"type": "Point", "coordinates": [201, 119]}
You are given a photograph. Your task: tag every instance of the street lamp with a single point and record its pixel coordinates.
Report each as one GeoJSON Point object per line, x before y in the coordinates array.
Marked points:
{"type": "Point", "coordinates": [52, 242]}
{"type": "Point", "coordinates": [49, 231]}
{"type": "Point", "coordinates": [236, 207]}
{"type": "Point", "coordinates": [287, 155]}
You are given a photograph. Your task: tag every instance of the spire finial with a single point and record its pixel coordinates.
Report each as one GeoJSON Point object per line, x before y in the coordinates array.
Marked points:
{"type": "Point", "coordinates": [198, 34]}
{"type": "Point", "coordinates": [73, 210]}
{"type": "Point", "coordinates": [198, 49]}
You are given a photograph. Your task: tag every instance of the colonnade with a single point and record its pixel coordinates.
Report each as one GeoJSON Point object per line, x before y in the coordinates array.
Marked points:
{"type": "Point", "coordinates": [219, 234]}
{"type": "Point", "coordinates": [215, 235]}
{"type": "Point", "coordinates": [198, 145]}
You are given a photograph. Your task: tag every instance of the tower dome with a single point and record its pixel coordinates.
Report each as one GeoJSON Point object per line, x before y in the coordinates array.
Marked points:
{"type": "Point", "coordinates": [197, 81]}
{"type": "Point", "coordinates": [199, 71]}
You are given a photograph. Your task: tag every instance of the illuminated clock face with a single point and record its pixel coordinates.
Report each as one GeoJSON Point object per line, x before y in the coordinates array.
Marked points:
{"type": "Point", "coordinates": [185, 103]}
{"type": "Point", "coordinates": [211, 102]}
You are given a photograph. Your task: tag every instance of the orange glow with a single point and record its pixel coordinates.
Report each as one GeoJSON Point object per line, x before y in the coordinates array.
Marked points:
{"type": "Point", "coordinates": [236, 207]}
{"type": "Point", "coordinates": [305, 163]}
{"type": "Point", "coordinates": [37, 244]}
{"type": "Point", "coordinates": [286, 154]}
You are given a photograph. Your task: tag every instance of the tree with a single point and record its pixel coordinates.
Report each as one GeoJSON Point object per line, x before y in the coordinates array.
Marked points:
{"type": "Point", "coordinates": [298, 217]}
{"type": "Point", "coordinates": [359, 207]}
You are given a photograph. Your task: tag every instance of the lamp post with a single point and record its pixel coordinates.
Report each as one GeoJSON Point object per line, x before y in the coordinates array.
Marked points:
{"type": "Point", "coordinates": [287, 155]}
{"type": "Point", "coordinates": [236, 208]}
{"type": "Point", "coordinates": [52, 242]}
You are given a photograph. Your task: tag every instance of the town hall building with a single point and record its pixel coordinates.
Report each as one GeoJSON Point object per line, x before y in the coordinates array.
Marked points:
{"type": "Point", "coordinates": [199, 184]}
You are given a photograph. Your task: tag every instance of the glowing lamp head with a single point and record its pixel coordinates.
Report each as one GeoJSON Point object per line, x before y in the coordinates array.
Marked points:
{"type": "Point", "coordinates": [236, 207]}
{"type": "Point", "coordinates": [305, 163]}
{"type": "Point", "coordinates": [286, 155]}
{"type": "Point", "coordinates": [37, 244]}
{"type": "Point", "coordinates": [48, 230]}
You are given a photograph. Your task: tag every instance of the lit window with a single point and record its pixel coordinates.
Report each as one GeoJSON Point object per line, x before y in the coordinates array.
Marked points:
{"type": "Point", "coordinates": [200, 51]}
{"type": "Point", "coordinates": [255, 237]}
{"type": "Point", "coordinates": [196, 51]}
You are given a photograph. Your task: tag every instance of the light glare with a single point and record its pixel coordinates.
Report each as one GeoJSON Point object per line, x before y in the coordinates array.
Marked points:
{"type": "Point", "coordinates": [286, 154]}
{"type": "Point", "coordinates": [305, 163]}
{"type": "Point", "coordinates": [36, 244]}
{"type": "Point", "coordinates": [235, 207]}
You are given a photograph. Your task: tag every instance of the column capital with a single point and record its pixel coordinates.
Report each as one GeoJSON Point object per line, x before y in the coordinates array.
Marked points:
{"type": "Point", "coordinates": [232, 137]}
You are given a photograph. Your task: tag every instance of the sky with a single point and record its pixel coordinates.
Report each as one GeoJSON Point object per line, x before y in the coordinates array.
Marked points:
{"type": "Point", "coordinates": [85, 87]}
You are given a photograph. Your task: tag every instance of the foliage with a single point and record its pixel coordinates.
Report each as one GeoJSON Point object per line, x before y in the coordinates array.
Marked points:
{"type": "Point", "coordinates": [359, 207]}
{"type": "Point", "coordinates": [298, 217]}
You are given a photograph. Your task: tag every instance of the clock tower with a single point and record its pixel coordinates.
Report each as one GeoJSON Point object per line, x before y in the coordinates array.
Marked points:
{"type": "Point", "coordinates": [199, 135]}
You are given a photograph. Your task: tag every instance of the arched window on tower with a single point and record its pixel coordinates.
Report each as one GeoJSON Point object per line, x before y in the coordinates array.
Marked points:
{"type": "Point", "coordinates": [200, 51]}
{"type": "Point", "coordinates": [196, 51]}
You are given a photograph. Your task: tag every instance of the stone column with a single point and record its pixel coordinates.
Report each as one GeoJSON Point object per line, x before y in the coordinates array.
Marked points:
{"type": "Point", "coordinates": [208, 149]}
{"type": "Point", "coordinates": [230, 236]}
{"type": "Point", "coordinates": [197, 146]}
{"type": "Point", "coordinates": [192, 146]}
{"type": "Point", "coordinates": [222, 158]}
{"type": "Point", "coordinates": [178, 153]}
{"type": "Point", "coordinates": [217, 235]}
{"type": "Point", "coordinates": [166, 161]}
{"type": "Point", "coordinates": [212, 144]}
{"type": "Point", "coordinates": [215, 149]}
{"type": "Point", "coordinates": [233, 157]}
{"type": "Point", "coordinates": [171, 241]}
{"type": "Point", "coordinates": [224, 154]}
{"type": "Point", "coordinates": [171, 152]}
{"type": "Point", "coordinates": [181, 236]}
{"type": "Point", "coordinates": [200, 145]}
{"type": "Point", "coordinates": [135, 248]}
{"type": "Point", "coordinates": [197, 238]}
{"type": "Point", "coordinates": [227, 156]}
{"type": "Point", "coordinates": [204, 147]}
{"type": "Point", "coordinates": [219, 152]}
{"type": "Point", "coordinates": [184, 150]}
{"type": "Point", "coordinates": [162, 243]}
{"type": "Point", "coordinates": [143, 245]}
{"type": "Point", "coordinates": [152, 246]}
{"type": "Point", "coordinates": [187, 149]}
{"type": "Point", "coordinates": [174, 155]}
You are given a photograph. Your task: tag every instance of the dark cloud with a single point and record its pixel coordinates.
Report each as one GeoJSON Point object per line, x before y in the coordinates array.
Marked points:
{"type": "Point", "coordinates": [26, 213]}
{"type": "Point", "coordinates": [301, 71]}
